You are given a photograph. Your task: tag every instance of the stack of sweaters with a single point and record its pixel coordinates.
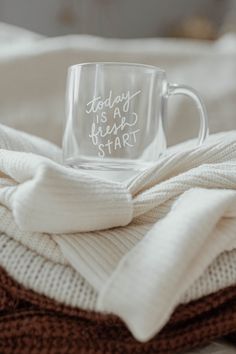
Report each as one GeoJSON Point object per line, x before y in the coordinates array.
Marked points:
{"type": "Point", "coordinates": [72, 246]}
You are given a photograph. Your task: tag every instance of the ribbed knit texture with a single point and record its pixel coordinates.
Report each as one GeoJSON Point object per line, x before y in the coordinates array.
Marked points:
{"type": "Point", "coordinates": [49, 188]}
{"type": "Point", "coordinates": [64, 284]}
{"type": "Point", "coordinates": [151, 256]}
{"type": "Point", "coordinates": [147, 275]}
{"type": "Point", "coordinates": [44, 276]}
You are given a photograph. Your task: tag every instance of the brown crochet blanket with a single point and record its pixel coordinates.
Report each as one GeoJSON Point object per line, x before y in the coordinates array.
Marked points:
{"type": "Point", "coordinates": [32, 323]}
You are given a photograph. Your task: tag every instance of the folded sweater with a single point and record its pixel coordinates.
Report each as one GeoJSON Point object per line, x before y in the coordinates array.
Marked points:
{"type": "Point", "coordinates": [140, 244]}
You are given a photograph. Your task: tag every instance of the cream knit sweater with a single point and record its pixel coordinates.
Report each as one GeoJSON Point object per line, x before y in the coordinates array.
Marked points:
{"type": "Point", "coordinates": [156, 235]}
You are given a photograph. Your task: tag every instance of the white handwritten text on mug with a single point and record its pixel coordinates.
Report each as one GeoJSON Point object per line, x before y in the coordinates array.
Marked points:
{"type": "Point", "coordinates": [121, 132]}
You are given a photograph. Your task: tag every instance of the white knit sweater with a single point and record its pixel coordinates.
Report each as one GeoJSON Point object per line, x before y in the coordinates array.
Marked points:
{"type": "Point", "coordinates": [168, 225]}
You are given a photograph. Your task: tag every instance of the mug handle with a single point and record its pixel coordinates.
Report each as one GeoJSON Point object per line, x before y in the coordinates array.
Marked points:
{"type": "Point", "coordinates": [175, 89]}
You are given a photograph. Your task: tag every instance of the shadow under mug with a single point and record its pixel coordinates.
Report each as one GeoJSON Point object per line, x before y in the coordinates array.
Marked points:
{"type": "Point", "coordinates": [116, 113]}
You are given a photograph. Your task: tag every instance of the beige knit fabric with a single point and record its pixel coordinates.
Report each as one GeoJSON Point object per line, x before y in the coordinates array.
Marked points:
{"type": "Point", "coordinates": [45, 197]}
{"type": "Point", "coordinates": [119, 240]}
{"type": "Point", "coordinates": [47, 277]}
{"type": "Point", "coordinates": [62, 283]}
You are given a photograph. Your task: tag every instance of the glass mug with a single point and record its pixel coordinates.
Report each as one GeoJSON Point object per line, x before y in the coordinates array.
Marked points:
{"type": "Point", "coordinates": [115, 115]}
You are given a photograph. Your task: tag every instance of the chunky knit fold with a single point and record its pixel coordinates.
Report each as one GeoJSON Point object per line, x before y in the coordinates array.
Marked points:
{"type": "Point", "coordinates": [140, 244]}
{"type": "Point", "coordinates": [32, 323]}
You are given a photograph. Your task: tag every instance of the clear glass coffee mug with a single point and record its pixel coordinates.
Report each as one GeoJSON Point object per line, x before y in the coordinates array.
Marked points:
{"type": "Point", "coordinates": [116, 113]}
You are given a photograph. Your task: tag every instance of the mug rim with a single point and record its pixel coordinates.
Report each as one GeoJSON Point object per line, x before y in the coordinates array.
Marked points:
{"type": "Point", "coordinates": [113, 63]}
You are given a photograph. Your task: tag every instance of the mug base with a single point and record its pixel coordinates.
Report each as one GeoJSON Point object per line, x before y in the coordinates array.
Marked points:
{"type": "Point", "coordinates": [108, 164]}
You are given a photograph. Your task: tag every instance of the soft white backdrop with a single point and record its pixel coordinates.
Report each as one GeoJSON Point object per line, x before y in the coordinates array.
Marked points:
{"type": "Point", "coordinates": [111, 18]}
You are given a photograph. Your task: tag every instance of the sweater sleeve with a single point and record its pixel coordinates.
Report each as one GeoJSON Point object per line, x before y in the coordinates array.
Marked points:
{"type": "Point", "coordinates": [53, 198]}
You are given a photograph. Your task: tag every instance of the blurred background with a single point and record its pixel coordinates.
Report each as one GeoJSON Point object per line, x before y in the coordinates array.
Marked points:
{"type": "Point", "coordinates": [193, 40]}
{"type": "Point", "coordinates": [202, 19]}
